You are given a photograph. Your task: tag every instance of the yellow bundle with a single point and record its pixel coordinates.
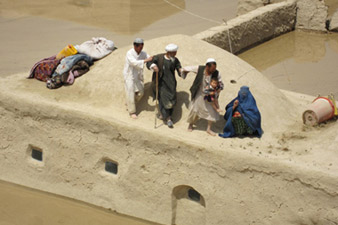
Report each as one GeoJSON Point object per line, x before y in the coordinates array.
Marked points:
{"type": "Point", "coordinates": [67, 51]}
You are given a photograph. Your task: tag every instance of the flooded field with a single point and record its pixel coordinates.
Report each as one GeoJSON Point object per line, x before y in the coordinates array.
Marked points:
{"type": "Point", "coordinates": [20, 205]}
{"type": "Point", "coordinates": [304, 62]}
{"type": "Point", "coordinates": [31, 30]}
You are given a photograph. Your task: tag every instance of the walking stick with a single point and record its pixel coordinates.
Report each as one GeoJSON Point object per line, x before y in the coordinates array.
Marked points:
{"type": "Point", "coordinates": [156, 101]}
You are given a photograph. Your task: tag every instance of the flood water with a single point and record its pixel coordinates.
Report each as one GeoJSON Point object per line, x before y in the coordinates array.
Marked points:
{"type": "Point", "coordinates": [24, 206]}
{"type": "Point", "coordinates": [304, 62]}
{"type": "Point", "coordinates": [36, 29]}
{"type": "Point", "coordinates": [148, 18]}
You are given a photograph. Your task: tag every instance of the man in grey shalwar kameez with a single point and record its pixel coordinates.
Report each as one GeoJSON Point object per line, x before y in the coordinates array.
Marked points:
{"type": "Point", "coordinates": [199, 107]}
{"type": "Point", "coordinates": [165, 65]}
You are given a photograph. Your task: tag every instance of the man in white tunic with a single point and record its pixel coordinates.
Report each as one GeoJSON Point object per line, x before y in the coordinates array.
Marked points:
{"type": "Point", "coordinates": [199, 107]}
{"type": "Point", "coordinates": [133, 75]}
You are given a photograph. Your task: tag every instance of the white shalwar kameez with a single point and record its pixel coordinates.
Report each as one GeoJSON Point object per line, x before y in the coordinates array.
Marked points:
{"type": "Point", "coordinates": [133, 77]}
{"type": "Point", "coordinates": [200, 108]}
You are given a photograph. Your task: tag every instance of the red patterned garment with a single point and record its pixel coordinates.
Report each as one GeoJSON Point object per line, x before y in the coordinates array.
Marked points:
{"type": "Point", "coordinates": [43, 69]}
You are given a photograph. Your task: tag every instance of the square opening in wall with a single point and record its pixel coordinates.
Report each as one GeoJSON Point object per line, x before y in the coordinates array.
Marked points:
{"type": "Point", "coordinates": [37, 154]}
{"type": "Point", "coordinates": [111, 167]}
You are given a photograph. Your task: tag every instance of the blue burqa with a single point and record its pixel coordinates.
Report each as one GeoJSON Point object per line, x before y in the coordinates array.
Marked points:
{"type": "Point", "coordinates": [248, 109]}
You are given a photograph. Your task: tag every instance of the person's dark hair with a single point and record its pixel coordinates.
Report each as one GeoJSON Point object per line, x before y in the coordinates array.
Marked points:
{"type": "Point", "coordinates": [210, 63]}
{"type": "Point", "coordinates": [214, 79]}
{"type": "Point", "coordinates": [137, 44]}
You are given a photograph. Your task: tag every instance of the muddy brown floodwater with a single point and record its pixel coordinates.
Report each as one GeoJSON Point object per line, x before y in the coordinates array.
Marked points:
{"type": "Point", "coordinates": [24, 206]}
{"type": "Point", "coordinates": [32, 30]}
{"type": "Point", "coordinates": [36, 29]}
{"type": "Point", "coordinates": [299, 61]}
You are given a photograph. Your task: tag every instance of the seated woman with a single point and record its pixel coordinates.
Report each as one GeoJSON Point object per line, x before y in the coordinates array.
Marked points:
{"type": "Point", "coordinates": [242, 116]}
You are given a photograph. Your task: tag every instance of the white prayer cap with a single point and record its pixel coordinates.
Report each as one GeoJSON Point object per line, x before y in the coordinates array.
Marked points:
{"type": "Point", "coordinates": [138, 41]}
{"type": "Point", "coordinates": [171, 48]}
{"type": "Point", "coordinates": [210, 60]}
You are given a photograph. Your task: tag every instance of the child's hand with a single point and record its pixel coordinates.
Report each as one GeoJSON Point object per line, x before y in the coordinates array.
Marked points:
{"type": "Point", "coordinates": [235, 104]}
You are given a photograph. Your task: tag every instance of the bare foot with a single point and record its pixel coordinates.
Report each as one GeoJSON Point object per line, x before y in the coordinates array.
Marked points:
{"type": "Point", "coordinates": [190, 128]}
{"type": "Point", "coordinates": [210, 132]}
{"type": "Point", "coordinates": [133, 116]}
{"type": "Point", "coordinates": [219, 110]}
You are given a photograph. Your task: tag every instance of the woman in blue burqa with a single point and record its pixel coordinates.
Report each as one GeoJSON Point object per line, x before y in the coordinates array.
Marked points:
{"type": "Point", "coordinates": [242, 116]}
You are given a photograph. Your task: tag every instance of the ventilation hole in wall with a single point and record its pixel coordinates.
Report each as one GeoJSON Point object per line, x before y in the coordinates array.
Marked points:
{"type": "Point", "coordinates": [37, 154]}
{"type": "Point", "coordinates": [327, 24]}
{"type": "Point", "coordinates": [194, 195]}
{"type": "Point", "coordinates": [111, 167]}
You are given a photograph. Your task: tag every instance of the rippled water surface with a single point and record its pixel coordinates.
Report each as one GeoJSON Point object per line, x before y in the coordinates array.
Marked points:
{"type": "Point", "coordinates": [36, 29]}
{"type": "Point", "coordinates": [304, 62]}
{"type": "Point", "coordinates": [24, 206]}
{"type": "Point", "coordinates": [298, 61]}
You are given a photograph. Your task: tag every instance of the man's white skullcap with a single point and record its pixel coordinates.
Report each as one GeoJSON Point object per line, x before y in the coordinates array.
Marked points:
{"type": "Point", "coordinates": [171, 48]}
{"type": "Point", "coordinates": [138, 41]}
{"type": "Point", "coordinates": [210, 60]}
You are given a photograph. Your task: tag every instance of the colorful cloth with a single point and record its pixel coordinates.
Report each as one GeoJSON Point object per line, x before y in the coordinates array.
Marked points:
{"type": "Point", "coordinates": [208, 90]}
{"type": "Point", "coordinates": [43, 69]}
{"type": "Point", "coordinates": [240, 126]}
{"type": "Point", "coordinates": [68, 77]}
{"type": "Point", "coordinates": [249, 113]}
{"type": "Point", "coordinates": [67, 63]}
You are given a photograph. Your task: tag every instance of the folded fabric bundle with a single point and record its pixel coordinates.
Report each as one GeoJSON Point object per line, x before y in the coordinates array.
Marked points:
{"type": "Point", "coordinates": [77, 70]}
{"type": "Point", "coordinates": [68, 78]}
{"type": "Point", "coordinates": [67, 63]}
{"type": "Point", "coordinates": [96, 48]}
{"type": "Point", "coordinates": [54, 69]}
{"type": "Point", "coordinates": [43, 69]}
